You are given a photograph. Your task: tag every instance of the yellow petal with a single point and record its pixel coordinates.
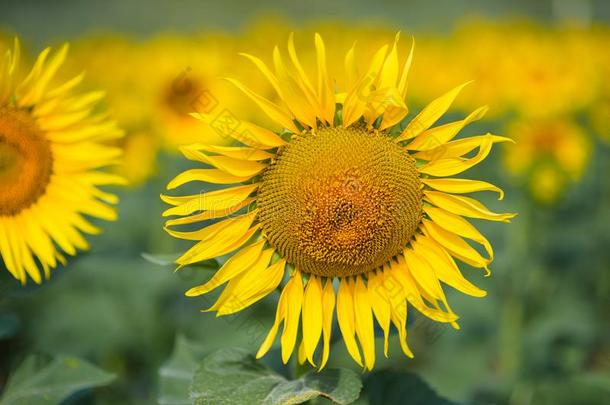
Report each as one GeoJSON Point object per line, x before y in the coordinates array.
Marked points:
{"type": "Point", "coordinates": [402, 84]}
{"type": "Point", "coordinates": [325, 90]}
{"type": "Point", "coordinates": [455, 245]}
{"type": "Point", "coordinates": [459, 226]}
{"type": "Point", "coordinates": [213, 214]}
{"type": "Point", "coordinates": [235, 167]}
{"type": "Point", "coordinates": [258, 137]}
{"type": "Point", "coordinates": [397, 307]}
{"type": "Point", "coordinates": [233, 292]}
{"type": "Point", "coordinates": [364, 322]}
{"type": "Point", "coordinates": [461, 147]}
{"type": "Point", "coordinates": [380, 306]}
{"type": "Point", "coordinates": [214, 176]}
{"type": "Point", "coordinates": [389, 71]}
{"type": "Point", "coordinates": [280, 314]}
{"type": "Point", "coordinates": [210, 201]}
{"type": "Point", "coordinates": [345, 316]}
{"type": "Point", "coordinates": [302, 105]}
{"type": "Point", "coordinates": [236, 264]}
{"type": "Point", "coordinates": [462, 186]}
{"type": "Point", "coordinates": [399, 273]}
{"type": "Point", "coordinates": [235, 152]}
{"type": "Point", "coordinates": [328, 308]}
{"type": "Point", "coordinates": [273, 111]}
{"type": "Point", "coordinates": [464, 206]}
{"type": "Point", "coordinates": [294, 301]}
{"type": "Point", "coordinates": [253, 284]}
{"type": "Point", "coordinates": [355, 101]}
{"type": "Point", "coordinates": [297, 64]}
{"type": "Point", "coordinates": [444, 266]}
{"type": "Point", "coordinates": [225, 237]}
{"type": "Point", "coordinates": [424, 275]}
{"type": "Point", "coordinates": [443, 167]}
{"type": "Point", "coordinates": [438, 136]}
{"type": "Point", "coordinates": [430, 114]}
{"type": "Point", "coordinates": [312, 316]}
{"type": "Point", "coordinates": [245, 132]}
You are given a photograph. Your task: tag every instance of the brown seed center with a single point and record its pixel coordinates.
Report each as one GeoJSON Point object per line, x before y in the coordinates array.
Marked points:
{"type": "Point", "coordinates": [340, 202]}
{"type": "Point", "coordinates": [26, 161]}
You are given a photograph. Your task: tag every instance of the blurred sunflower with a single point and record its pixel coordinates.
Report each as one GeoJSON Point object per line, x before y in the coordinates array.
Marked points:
{"type": "Point", "coordinates": [551, 72]}
{"type": "Point", "coordinates": [343, 192]}
{"type": "Point", "coordinates": [116, 64]}
{"type": "Point", "coordinates": [548, 154]}
{"type": "Point", "coordinates": [52, 153]}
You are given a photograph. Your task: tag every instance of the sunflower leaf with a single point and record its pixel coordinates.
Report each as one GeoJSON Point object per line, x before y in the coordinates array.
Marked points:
{"type": "Point", "coordinates": [389, 387]}
{"type": "Point", "coordinates": [176, 374]}
{"type": "Point", "coordinates": [37, 381]}
{"type": "Point", "coordinates": [233, 376]}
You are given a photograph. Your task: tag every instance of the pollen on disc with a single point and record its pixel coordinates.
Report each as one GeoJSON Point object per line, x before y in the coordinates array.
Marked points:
{"type": "Point", "coordinates": [340, 202]}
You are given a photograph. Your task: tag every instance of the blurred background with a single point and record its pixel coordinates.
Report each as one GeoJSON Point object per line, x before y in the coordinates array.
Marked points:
{"type": "Point", "coordinates": [541, 336]}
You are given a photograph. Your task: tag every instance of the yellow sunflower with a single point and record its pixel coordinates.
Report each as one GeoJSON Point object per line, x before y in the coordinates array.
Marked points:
{"type": "Point", "coordinates": [549, 154]}
{"type": "Point", "coordinates": [347, 200]}
{"type": "Point", "coordinates": [51, 160]}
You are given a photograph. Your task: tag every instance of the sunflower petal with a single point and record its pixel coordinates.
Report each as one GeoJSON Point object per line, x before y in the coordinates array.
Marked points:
{"type": "Point", "coordinates": [444, 266]}
{"type": "Point", "coordinates": [430, 114]}
{"type": "Point", "coordinates": [294, 302]}
{"type": "Point", "coordinates": [437, 136]}
{"type": "Point", "coordinates": [464, 206]}
{"type": "Point", "coordinates": [346, 318]}
{"type": "Point", "coordinates": [380, 306]}
{"type": "Point", "coordinates": [462, 186]}
{"type": "Point", "coordinates": [210, 201]}
{"type": "Point", "coordinates": [312, 316]}
{"type": "Point", "coordinates": [230, 235]}
{"type": "Point", "coordinates": [280, 315]}
{"type": "Point", "coordinates": [455, 245]}
{"type": "Point", "coordinates": [325, 90]}
{"type": "Point", "coordinates": [254, 284]}
{"type": "Point", "coordinates": [235, 167]}
{"type": "Point", "coordinates": [246, 132]}
{"type": "Point", "coordinates": [460, 147]}
{"type": "Point", "coordinates": [328, 308]}
{"type": "Point", "coordinates": [449, 166]}
{"type": "Point", "coordinates": [273, 111]}
{"type": "Point", "coordinates": [233, 267]}
{"type": "Point", "coordinates": [355, 101]}
{"type": "Point", "coordinates": [459, 226]}
{"type": "Point", "coordinates": [364, 322]}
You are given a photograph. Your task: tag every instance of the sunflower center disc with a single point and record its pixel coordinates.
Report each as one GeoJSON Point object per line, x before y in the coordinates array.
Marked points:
{"type": "Point", "coordinates": [340, 202]}
{"type": "Point", "coordinates": [26, 161]}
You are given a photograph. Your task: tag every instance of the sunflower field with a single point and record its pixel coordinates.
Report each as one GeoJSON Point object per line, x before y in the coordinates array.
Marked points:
{"type": "Point", "coordinates": [304, 202]}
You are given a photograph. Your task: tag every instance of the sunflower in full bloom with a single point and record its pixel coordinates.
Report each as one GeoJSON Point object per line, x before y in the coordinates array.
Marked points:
{"type": "Point", "coordinates": [52, 156]}
{"type": "Point", "coordinates": [346, 200]}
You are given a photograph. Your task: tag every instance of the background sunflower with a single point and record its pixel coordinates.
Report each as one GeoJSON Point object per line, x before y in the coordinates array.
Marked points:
{"type": "Point", "coordinates": [115, 327]}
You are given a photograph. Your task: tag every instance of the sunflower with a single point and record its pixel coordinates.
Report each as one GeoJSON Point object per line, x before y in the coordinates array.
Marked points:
{"type": "Point", "coordinates": [346, 200]}
{"type": "Point", "coordinates": [51, 160]}
{"type": "Point", "coordinates": [550, 154]}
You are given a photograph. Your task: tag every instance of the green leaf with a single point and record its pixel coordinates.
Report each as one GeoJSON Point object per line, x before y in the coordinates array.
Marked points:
{"type": "Point", "coordinates": [388, 387]}
{"type": "Point", "coordinates": [234, 377]}
{"type": "Point", "coordinates": [9, 325]}
{"type": "Point", "coordinates": [42, 382]}
{"type": "Point", "coordinates": [176, 375]}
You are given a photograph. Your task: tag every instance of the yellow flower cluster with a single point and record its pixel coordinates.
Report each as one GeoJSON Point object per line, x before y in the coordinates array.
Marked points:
{"type": "Point", "coordinates": [546, 85]}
